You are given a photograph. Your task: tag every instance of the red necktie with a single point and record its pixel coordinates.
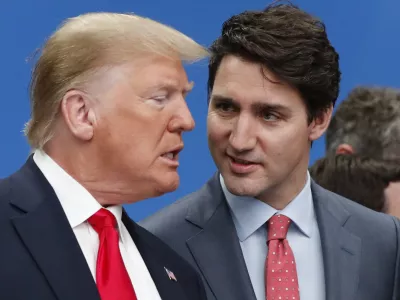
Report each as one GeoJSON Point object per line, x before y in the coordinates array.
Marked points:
{"type": "Point", "coordinates": [112, 279]}
{"type": "Point", "coordinates": [280, 268]}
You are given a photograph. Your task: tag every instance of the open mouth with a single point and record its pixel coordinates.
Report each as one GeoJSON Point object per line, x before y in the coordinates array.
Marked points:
{"type": "Point", "coordinates": [173, 155]}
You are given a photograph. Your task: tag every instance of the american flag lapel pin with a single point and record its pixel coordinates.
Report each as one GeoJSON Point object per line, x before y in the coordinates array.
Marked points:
{"type": "Point", "coordinates": [170, 274]}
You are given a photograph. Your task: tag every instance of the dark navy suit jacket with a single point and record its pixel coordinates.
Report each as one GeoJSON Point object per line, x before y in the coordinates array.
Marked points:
{"type": "Point", "coordinates": [40, 258]}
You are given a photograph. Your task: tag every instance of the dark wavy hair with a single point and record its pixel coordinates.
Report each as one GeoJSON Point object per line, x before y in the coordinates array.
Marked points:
{"type": "Point", "coordinates": [290, 43]}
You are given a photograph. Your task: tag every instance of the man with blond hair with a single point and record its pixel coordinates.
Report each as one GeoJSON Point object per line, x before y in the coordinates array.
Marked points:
{"type": "Point", "coordinates": [108, 112]}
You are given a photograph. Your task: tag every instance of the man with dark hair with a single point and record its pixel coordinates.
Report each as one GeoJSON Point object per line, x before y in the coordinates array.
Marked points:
{"type": "Point", "coordinates": [361, 179]}
{"type": "Point", "coordinates": [260, 228]}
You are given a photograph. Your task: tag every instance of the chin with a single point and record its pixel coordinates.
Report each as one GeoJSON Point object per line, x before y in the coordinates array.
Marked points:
{"type": "Point", "coordinates": [241, 187]}
{"type": "Point", "coordinates": [168, 184]}
{"type": "Point", "coordinates": [238, 189]}
{"type": "Point", "coordinates": [242, 191]}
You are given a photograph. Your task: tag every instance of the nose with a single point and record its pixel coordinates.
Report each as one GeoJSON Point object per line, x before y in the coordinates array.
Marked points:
{"type": "Point", "coordinates": [243, 137]}
{"type": "Point", "coordinates": [182, 120]}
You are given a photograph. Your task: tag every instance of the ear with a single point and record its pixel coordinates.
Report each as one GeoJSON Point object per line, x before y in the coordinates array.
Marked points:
{"type": "Point", "coordinates": [344, 149]}
{"type": "Point", "coordinates": [78, 114]}
{"type": "Point", "coordinates": [320, 123]}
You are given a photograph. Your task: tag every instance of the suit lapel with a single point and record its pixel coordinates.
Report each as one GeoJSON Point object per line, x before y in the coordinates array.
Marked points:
{"type": "Point", "coordinates": [47, 235]}
{"type": "Point", "coordinates": [216, 247]}
{"type": "Point", "coordinates": [155, 262]}
{"type": "Point", "coordinates": [341, 249]}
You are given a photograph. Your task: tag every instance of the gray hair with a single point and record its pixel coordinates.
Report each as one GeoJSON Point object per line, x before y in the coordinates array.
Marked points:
{"type": "Point", "coordinates": [368, 120]}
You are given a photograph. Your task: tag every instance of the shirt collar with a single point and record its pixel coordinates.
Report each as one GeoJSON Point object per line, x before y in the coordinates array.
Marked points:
{"type": "Point", "coordinates": [249, 213]}
{"type": "Point", "coordinates": [77, 203]}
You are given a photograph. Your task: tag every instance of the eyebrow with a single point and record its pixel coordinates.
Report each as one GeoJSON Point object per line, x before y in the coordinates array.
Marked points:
{"type": "Point", "coordinates": [258, 106]}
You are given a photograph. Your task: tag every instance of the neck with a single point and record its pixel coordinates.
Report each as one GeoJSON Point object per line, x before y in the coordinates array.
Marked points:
{"type": "Point", "coordinates": [280, 195]}
{"type": "Point", "coordinates": [104, 184]}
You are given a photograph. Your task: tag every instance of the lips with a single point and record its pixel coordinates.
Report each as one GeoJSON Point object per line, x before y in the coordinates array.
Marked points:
{"type": "Point", "coordinates": [171, 157]}
{"type": "Point", "coordinates": [241, 161]}
{"type": "Point", "coordinates": [242, 166]}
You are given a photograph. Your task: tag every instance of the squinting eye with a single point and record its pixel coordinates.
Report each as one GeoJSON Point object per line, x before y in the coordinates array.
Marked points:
{"type": "Point", "coordinates": [160, 98]}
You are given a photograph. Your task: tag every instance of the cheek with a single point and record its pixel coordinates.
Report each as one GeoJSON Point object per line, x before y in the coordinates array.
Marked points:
{"type": "Point", "coordinates": [126, 138]}
{"type": "Point", "coordinates": [137, 127]}
{"type": "Point", "coordinates": [285, 143]}
{"type": "Point", "coordinates": [217, 130]}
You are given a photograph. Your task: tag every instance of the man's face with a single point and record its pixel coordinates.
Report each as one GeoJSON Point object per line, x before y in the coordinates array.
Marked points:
{"type": "Point", "coordinates": [141, 120]}
{"type": "Point", "coordinates": [258, 131]}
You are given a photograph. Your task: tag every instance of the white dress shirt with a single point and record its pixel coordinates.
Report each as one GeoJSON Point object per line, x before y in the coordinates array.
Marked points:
{"type": "Point", "coordinates": [79, 205]}
{"type": "Point", "coordinates": [250, 216]}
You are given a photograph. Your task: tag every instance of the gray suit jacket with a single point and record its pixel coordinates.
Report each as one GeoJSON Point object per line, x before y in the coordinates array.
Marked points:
{"type": "Point", "coordinates": [361, 248]}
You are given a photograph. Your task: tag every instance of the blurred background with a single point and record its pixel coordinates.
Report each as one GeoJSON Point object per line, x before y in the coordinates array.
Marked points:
{"type": "Point", "coordinates": [364, 32]}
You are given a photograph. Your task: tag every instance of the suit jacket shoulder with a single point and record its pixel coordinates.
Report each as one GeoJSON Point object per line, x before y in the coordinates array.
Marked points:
{"type": "Point", "coordinates": [187, 216]}
{"type": "Point", "coordinates": [175, 214]}
{"type": "Point", "coordinates": [381, 228]}
{"type": "Point", "coordinates": [361, 248]}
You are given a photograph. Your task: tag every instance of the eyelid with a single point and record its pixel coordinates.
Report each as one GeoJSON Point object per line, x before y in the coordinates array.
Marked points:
{"type": "Point", "coordinates": [160, 97]}
{"type": "Point", "coordinates": [270, 114]}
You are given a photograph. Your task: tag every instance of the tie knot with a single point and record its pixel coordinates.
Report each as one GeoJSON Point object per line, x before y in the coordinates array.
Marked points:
{"type": "Point", "coordinates": [101, 219]}
{"type": "Point", "coordinates": [278, 227]}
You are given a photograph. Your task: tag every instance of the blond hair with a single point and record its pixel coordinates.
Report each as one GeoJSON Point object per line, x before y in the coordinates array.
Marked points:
{"type": "Point", "coordinates": [86, 43]}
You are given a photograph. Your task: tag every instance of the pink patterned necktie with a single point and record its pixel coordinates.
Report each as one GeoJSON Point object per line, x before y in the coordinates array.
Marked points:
{"type": "Point", "coordinates": [280, 267]}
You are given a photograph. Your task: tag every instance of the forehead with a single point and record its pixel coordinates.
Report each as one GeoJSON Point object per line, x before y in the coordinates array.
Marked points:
{"type": "Point", "coordinates": [246, 81]}
{"type": "Point", "coordinates": [159, 71]}
{"type": "Point", "coordinates": [148, 72]}
{"type": "Point", "coordinates": [141, 74]}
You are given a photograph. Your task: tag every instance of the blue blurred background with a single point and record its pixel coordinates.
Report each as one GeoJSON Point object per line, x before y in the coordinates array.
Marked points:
{"type": "Point", "coordinates": [364, 32]}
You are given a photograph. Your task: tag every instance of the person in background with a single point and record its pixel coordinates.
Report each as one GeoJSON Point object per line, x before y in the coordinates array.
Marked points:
{"type": "Point", "coordinates": [367, 123]}
{"type": "Point", "coordinates": [361, 179]}
{"type": "Point", "coordinates": [108, 113]}
{"type": "Point", "coordinates": [260, 228]}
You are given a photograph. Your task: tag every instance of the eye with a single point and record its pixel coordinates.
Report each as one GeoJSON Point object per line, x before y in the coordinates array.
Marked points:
{"type": "Point", "coordinates": [224, 106]}
{"type": "Point", "coordinates": [160, 99]}
{"type": "Point", "coordinates": [268, 116]}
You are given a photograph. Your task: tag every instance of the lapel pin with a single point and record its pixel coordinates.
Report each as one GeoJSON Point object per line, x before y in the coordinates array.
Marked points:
{"type": "Point", "coordinates": [170, 274]}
